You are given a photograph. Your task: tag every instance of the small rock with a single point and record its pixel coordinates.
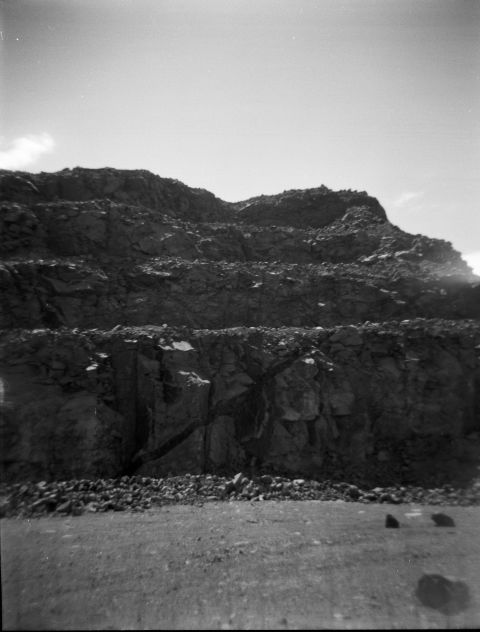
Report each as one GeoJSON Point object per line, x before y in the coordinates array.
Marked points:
{"type": "Point", "coordinates": [391, 522]}
{"type": "Point", "coordinates": [354, 492]}
{"type": "Point", "coordinates": [229, 487]}
{"type": "Point", "coordinates": [442, 520]}
{"type": "Point", "coordinates": [239, 481]}
{"type": "Point", "coordinates": [385, 498]}
{"type": "Point", "coordinates": [38, 503]}
{"type": "Point", "coordinates": [78, 509]}
{"type": "Point", "coordinates": [64, 507]}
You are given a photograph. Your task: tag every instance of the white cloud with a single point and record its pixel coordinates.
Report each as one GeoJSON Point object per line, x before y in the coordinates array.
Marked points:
{"type": "Point", "coordinates": [407, 197]}
{"type": "Point", "coordinates": [473, 260]}
{"type": "Point", "coordinates": [25, 150]}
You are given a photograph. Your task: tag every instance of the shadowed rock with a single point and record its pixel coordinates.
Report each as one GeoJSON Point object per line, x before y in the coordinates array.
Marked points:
{"type": "Point", "coordinates": [442, 520]}
{"type": "Point", "coordinates": [153, 328]}
{"type": "Point", "coordinates": [391, 522]}
{"type": "Point", "coordinates": [443, 594]}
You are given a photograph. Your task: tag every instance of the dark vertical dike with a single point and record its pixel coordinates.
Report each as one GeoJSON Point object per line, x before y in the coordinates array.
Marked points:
{"type": "Point", "coordinates": [254, 420]}
{"type": "Point", "coordinates": [124, 362]}
{"type": "Point", "coordinates": [248, 420]}
{"type": "Point", "coordinates": [150, 372]}
{"type": "Point", "coordinates": [143, 398]}
{"type": "Point", "coordinates": [476, 401]}
{"type": "Point", "coordinates": [165, 415]}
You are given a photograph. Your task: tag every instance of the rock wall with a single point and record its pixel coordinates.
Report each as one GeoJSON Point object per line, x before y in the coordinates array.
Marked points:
{"type": "Point", "coordinates": [159, 400]}
{"type": "Point", "coordinates": [207, 294]}
{"type": "Point", "coordinates": [148, 327]}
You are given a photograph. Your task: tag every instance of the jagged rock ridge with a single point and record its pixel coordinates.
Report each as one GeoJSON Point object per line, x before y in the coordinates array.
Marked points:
{"type": "Point", "coordinates": [89, 254]}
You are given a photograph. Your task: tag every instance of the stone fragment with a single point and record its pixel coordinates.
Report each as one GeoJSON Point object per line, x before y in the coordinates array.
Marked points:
{"type": "Point", "coordinates": [353, 492]}
{"type": "Point", "coordinates": [65, 507]}
{"type": "Point", "coordinates": [239, 481]}
{"type": "Point", "coordinates": [182, 345]}
{"type": "Point", "coordinates": [391, 522]}
{"type": "Point", "coordinates": [77, 509]}
{"type": "Point", "coordinates": [37, 504]}
{"type": "Point", "coordinates": [266, 479]}
{"type": "Point", "coordinates": [386, 497]}
{"type": "Point", "coordinates": [442, 520]}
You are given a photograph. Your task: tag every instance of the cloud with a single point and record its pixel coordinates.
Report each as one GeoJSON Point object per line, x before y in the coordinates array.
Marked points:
{"type": "Point", "coordinates": [407, 197]}
{"type": "Point", "coordinates": [25, 150]}
{"type": "Point", "coordinates": [473, 260]}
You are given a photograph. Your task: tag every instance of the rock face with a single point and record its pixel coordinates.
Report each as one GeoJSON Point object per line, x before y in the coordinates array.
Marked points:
{"type": "Point", "coordinates": [152, 328]}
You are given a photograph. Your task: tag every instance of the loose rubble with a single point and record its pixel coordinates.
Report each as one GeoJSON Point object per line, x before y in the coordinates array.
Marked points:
{"type": "Point", "coordinates": [139, 493]}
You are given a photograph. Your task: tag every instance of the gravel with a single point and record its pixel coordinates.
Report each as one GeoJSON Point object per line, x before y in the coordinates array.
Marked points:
{"type": "Point", "coordinates": [140, 493]}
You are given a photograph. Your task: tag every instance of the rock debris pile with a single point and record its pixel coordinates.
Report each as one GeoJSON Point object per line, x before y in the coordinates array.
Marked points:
{"type": "Point", "coordinates": [140, 493]}
{"type": "Point", "coordinates": [149, 329]}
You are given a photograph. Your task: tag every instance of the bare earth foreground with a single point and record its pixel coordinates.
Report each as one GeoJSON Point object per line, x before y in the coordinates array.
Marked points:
{"type": "Point", "coordinates": [237, 565]}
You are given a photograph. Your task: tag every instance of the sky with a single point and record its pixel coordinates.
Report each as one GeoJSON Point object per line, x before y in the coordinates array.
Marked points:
{"type": "Point", "coordinates": [244, 97]}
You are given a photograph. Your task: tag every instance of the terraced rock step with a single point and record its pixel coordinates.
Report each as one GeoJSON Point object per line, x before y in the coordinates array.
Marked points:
{"type": "Point", "coordinates": [397, 398]}
{"type": "Point", "coordinates": [102, 227]}
{"type": "Point", "coordinates": [206, 294]}
{"type": "Point", "coordinates": [137, 187]}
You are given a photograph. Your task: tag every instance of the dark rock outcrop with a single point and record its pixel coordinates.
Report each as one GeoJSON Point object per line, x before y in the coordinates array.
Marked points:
{"type": "Point", "coordinates": [149, 327]}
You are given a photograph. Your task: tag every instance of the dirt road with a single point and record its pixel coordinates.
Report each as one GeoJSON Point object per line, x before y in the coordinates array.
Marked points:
{"type": "Point", "coordinates": [284, 565]}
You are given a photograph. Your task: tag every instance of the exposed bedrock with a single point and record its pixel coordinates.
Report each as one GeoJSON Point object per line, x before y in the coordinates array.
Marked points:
{"type": "Point", "coordinates": [156, 400]}
{"type": "Point", "coordinates": [102, 228]}
{"type": "Point", "coordinates": [150, 327]}
{"type": "Point", "coordinates": [205, 294]}
{"type": "Point", "coordinates": [138, 187]}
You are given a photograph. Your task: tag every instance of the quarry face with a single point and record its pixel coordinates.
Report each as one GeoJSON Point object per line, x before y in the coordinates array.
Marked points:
{"type": "Point", "coordinates": [150, 328]}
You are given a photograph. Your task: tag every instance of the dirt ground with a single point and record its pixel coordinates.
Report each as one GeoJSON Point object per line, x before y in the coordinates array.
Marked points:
{"type": "Point", "coordinates": [238, 565]}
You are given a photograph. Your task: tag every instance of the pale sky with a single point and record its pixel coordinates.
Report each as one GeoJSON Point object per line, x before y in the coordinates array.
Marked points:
{"type": "Point", "coordinates": [244, 97]}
